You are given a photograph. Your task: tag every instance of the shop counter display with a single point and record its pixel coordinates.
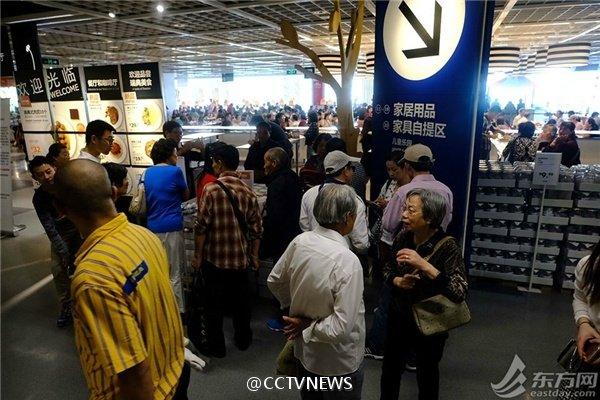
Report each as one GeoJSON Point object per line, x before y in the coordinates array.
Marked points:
{"type": "Point", "coordinates": [506, 217]}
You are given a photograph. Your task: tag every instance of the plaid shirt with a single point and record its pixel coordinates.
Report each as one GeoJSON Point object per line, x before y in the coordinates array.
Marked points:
{"type": "Point", "coordinates": [225, 246]}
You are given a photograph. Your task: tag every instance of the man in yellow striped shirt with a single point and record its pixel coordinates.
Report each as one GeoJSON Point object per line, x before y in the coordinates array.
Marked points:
{"type": "Point", "coordinates": [127, 326]}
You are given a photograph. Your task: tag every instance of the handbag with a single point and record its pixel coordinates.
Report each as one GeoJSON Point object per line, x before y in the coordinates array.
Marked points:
{"type": "Point", "coordinates": [439, 314]}
{"type": "Point", "coordinates": [287, 363]}
{"type": "Point", "coordinates": [137, 207]}
{"type": "Point", "coordinates": [196, 314]}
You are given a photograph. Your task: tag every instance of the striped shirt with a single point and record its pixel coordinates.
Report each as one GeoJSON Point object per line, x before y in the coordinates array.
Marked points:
{"type": "Point", "coordinates": [225, 245]}
{"type": "Point", "coordinates": [124, 309]}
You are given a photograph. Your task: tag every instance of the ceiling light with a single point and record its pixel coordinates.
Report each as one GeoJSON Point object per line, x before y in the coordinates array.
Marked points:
{"type": "Point", "coordinates": [97, 33]}
{"type": "Point", "coordinates": [160, 42]}
{"type": "Point", "coordinates": [304, 37]}
{"type": "Point", "coordinates": [160, 8]}
{"type": "Point", "coordinates": [112, 14]}
{"type": "Point", "coordinates": [41, 34]}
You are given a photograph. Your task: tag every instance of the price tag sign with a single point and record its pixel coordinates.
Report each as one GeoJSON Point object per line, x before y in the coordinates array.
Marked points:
{"type": "Point", "coordinates": [546, 169]}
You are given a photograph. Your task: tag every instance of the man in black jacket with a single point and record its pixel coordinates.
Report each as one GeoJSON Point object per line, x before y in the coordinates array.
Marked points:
{"type": "Point", "coordinates": [282, 208]}
{"type": "Point", "coordinates": [256, 153]}
{"type": "Point", "coordinates": [282, 212]}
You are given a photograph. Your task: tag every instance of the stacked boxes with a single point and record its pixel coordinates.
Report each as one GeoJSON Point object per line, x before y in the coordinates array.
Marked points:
{"type": "Point", "coordinates": [506, 218]}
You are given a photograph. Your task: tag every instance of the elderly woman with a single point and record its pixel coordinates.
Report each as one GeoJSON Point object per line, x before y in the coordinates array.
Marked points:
{"type": "Point", "coordinates": [321, 282]}
{"type": "Point", "coordinates": [422, 269]}
{"type": "Point", "coordinates": [586, 310]}
{"type": "Point", "coordinates": [523, 147]}
{"type": "Point", "coordinates": [566, 144]}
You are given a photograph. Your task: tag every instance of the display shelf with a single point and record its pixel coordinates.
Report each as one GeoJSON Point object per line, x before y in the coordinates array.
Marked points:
{"type": "Point", "coordinates": [547, 219]}
{"type": "Point", "coordinates": [501, 261]}
{"type": "Point", "coordinates": [551, 235]}
{"type": "Point", "coordinates": [569, 285]}
{"type": "Point", "coordinates": [570, 269]}
{"type": "Point", "coordinates": [526, 233]}
{"type": "Point", "coordinates": [506, 276]}
{"type": "Point", "coordinates": [486, 244]}
{"type": "Point", "coordinates": [510, 216]}
{"type": "Point", "coordinates": [485, 182]}
{"type": "Point", "coordinates": [510, 277]}
{"type": "Point", "coordinates": [561, 186]}
{"type": "Point", "coordinates": [551, 251]}
{"type": "Point", "coordinates": [589, 187]}
{"type": "Point", "coordinates": [547, 266]}
{"type": "Point", "coordinates": [562, 203]}
{"type": "Point", "coordinates": [588, 203]}
{"type": "Point", "coordinates": [578, 253]}
{"type": "Point", "coordinates": [578, 237]}
{"type": "Point", "coordinates": [490, 198]}
{"type": "Point", "coordinates": [576, 220]}
{"type": "Point", "coordinates": [490, 230]}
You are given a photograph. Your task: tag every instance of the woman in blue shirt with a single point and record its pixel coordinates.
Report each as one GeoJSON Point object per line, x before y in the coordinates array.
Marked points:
{"type": "Point", "coordinates": [166, 189]}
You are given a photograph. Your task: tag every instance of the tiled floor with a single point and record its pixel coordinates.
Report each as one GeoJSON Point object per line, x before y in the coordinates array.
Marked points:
{"type": "Point", "coordinates": [39, 361]}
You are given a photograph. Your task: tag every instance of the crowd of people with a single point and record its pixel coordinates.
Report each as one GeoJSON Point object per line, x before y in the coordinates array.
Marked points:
{"type": "Point", "coordinates": [121, 283]}
{"type": "Point", "coordinates": [228, 114]}
{"type": "Point", "coordinates": [558, 135]}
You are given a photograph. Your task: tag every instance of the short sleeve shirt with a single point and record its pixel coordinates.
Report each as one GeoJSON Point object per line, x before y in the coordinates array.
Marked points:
{"type": "Point", "coordinates": [164, 185]}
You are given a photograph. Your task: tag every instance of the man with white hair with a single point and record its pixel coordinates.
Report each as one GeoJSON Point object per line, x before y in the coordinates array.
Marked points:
{"type": "Point", "coordinates": [321, 282]}
{"type": "Point", "coordinates": [339, 171]}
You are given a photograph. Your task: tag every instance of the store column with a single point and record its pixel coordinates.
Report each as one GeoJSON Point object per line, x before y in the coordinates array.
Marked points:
{"type": "Point", "coordinates": [430, 73]}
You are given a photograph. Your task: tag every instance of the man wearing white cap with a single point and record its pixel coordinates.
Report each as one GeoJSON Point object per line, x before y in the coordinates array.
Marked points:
{"type": "Point", "coordinates": [338, 170]}
{"type": "Point", "coordinates": [418, 163]}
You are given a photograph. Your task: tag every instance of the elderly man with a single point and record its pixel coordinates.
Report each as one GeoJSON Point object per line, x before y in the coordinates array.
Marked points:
{"type": "Point", "coordinates": [321, 282]}
{"type": "Point", "coordinates": [282, 208]}
{"type": "Point", "coordinates": [418, 163]}
{"type": "Point", "coordinates": [127, 327]}
{"type": "Point", "coordinates": [339, 171]}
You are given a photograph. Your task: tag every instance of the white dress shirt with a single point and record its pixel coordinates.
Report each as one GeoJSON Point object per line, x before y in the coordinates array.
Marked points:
{"type": "Point", "coordinates": [87, 156]}
{"type": "Point", "coordinates": [358, 239]}
{"type": "Point", "coordinates": [319, 278]}
{"type": "Point", "coordinates": [581, 302]}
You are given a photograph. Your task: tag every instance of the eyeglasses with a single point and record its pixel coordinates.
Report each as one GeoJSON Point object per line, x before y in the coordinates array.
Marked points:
{"type": "Point", "coordinates": [411, 210]}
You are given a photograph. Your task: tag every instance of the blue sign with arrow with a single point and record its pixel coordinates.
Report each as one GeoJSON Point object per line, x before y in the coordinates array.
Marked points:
{"type": "Point", "coordinates": [430, 73]}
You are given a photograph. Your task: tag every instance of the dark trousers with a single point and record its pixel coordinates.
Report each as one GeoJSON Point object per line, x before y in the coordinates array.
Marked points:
{"type": "Point", "coordinates": [402, 337]}
{"type": "Point", "coordinates": [376, 335]}
{"type": "Point", "coordinates": [227, 291]}
{"type": "Point", "coordinates": [184, 382]}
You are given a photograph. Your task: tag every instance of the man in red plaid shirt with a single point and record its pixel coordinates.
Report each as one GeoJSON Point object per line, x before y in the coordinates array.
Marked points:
{"type": "Point", "coordinates": [226, 244]}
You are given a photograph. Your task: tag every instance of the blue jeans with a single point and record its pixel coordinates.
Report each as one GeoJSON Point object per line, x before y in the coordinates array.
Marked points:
{"type": "Point", "coordinates": [376, 337]}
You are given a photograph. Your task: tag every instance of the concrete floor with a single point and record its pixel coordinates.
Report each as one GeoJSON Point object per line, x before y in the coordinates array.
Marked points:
{"type": "Point", "coordinates": [39, 361]}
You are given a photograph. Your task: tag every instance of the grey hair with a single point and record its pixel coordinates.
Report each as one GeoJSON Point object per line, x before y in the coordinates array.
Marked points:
{"type": "Point", "coordinates": [278, 155]}
{"type": "Point", "coordinates": [333, 204]}
{"type": "Point", "coordinates": [434, 206]}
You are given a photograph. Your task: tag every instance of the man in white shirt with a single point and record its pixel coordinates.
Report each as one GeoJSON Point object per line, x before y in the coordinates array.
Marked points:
{"type": "Point", "coordinates": [339, 171]}
{"type": "Point", "coordinates": [321, 282]}
{"type": "Point", "coordinates": [99, 137]}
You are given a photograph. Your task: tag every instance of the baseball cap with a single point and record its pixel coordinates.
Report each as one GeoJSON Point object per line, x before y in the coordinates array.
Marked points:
{"type": "Point", "coordinates": [336, 161]}
{"type": "Point", "coordinates": [417, 153]}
